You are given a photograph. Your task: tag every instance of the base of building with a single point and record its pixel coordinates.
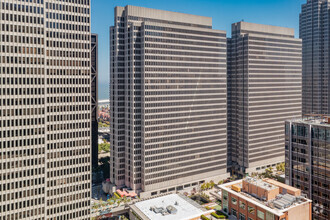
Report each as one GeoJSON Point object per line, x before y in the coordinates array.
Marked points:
{"type": "Point", "coordinates": [186, 187]}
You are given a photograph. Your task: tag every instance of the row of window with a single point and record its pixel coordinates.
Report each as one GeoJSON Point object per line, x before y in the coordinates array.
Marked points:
{"type": "Point", "coordinates": [182, 175]}
{"type": "Point", "coordinates": [67, 17]}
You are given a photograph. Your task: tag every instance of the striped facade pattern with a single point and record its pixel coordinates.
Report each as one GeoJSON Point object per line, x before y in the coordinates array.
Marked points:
{"type": "Point", "coordinates": [315, 34]}
{"type": "Point", "coordinates": [168, 100]}
{"type": "Point", "coordinates": [264, 89]}
{"type": "Point", "coordinates": [45, 166]}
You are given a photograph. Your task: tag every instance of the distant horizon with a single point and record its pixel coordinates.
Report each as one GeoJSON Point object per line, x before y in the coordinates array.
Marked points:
{"type": "Point", "coordinates": [283, 13]}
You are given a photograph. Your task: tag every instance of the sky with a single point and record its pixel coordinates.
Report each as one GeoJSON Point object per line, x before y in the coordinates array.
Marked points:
{"type": "Point", "coordinates": [223, 12]}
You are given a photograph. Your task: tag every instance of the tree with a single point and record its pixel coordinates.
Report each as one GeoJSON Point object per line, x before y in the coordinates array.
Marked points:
{"type": "Point", "coordinates": [254, 174]}
{"type": "Point", "coordinates": [203, 186]}
{"type": "Point", "coordinates": [281, 167]}
{"type": "Point", "coordinates": [269, 172]}
{"type": "Point", "coordinates": [104, 147]}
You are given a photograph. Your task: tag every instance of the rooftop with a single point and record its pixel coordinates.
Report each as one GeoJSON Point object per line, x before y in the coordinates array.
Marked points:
{"type": "Point", "coordinates": [261, 183]}
{"type": "Point", "coordinates": [282, 185]}
{"type": "Point", "coordinates": [323, 120]}
{"type": "Point", "coordinates": [265, 28]}
{"type": "Point", "coordinates": [278, 206]}
{"type": "Point", "coordinates": [169, 207]}
{"type": "Point", "coordinates": [164, 15]}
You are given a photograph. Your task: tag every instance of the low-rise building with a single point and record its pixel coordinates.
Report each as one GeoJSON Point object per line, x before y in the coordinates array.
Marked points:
{"type": "Point", "coordinates": [168, 207]}
{"type": "Point", "coordinates": [267, 199]}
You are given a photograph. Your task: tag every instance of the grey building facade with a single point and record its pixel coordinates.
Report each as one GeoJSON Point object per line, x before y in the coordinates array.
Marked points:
{"type": "Point", "coordinates": [94, 98]}
{"type": "Point", "coordinates": [307, 161]}
{"type": "Point", "coordinates": [45, 125]}
{"type": "Point", "coordinates": [264, 89]}
{"type": "Point", "coordinates": [315, 34]}
{"type": "Point", "coordinates": [168, 100]}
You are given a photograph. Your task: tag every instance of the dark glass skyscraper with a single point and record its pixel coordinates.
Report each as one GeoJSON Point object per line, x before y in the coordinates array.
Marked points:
{"type": "Point", "coordinates": [94, 97]}
{"type": "Point", "coordinates": [307, 153]}
{"type": "Point", "coordinates": [314, 32]}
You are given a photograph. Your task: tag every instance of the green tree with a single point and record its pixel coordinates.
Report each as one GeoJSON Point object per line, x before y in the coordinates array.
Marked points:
{"type": "Point", "coordinates": [281, 167]}
{"type": "Point", "coordinates": [268, 172]}
{"type": "Point", "coordinates": [203, 186]}
{"type": "Point", "coordinates": [104, 147]}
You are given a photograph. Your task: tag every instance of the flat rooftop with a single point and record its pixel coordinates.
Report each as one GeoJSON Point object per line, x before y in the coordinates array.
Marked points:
{"type": "Point", "coordinates": [184, 208]}
{"type": "Point", "coordinates": [164, 15]}
{"type": "Point", "coordinates": [260, 183]}
{"type": "Point", "coordinates": [278, 206]}
{"type": "Point", "coordinates": [312, 120]}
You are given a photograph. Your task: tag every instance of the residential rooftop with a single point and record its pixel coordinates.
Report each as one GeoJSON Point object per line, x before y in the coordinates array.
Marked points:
{"type": "Point", "coordinates": [169, 207]}
{"type": "Point", "coordinates": [279, 205]}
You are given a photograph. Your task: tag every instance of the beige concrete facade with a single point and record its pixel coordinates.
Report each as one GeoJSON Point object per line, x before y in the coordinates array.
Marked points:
{"type": "Point", "coordinates": [168, 96]}
{"type": "Point", "coordinates": [264, 89]}
{"type": "Point", "coordinates": [45, 157]}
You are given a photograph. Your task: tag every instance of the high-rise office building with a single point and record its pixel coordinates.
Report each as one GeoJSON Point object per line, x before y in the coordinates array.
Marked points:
{"type": "Point", "coordinates": [307, 166]}
{"type": "Point", "coordinates": [264, 89]}
{"type": "Point", "coordinates": [45, 165]}
{"type": "Point", "coordinates": [94, 98]}
{"type": "Point", "coordinates": [315, 35]}
{"type": "Point", "coordinates": [168, 100]}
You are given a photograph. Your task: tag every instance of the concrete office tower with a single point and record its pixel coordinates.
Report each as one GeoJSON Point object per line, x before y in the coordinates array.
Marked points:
{"type": "Point", "coordinates": [45, 165]}
{"type": "Point", "coordinates": [168, 100]}
{"type": "Point", "coordinates": [94, 98]}
{"type": "Point", "coordinates": [264, 89]}
{"type": "Point", "coordinates": [307, 166]}
{"type": "Point", "coordinates": [314, 32]}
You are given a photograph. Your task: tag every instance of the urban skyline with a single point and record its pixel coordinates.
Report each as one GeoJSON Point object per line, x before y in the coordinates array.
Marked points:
{"type": "Point", "coordinates": [283, 13]}
{"type": "Point", "coordinates": [191, 107]}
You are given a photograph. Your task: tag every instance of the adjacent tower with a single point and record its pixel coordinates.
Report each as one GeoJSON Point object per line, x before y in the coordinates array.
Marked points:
{"type": "Point", "coordinates": [307, 166]}
{"type": "Point", "coordinates": [315, 35]}
{"type": "Point", "coordinates": [168, 100]}
{"type": "Point", "coordinates": [94, 98]}
{"type": "Point", "coordinates": [264, 89]}
{"type": "Point", "coordinates": [45, 110]}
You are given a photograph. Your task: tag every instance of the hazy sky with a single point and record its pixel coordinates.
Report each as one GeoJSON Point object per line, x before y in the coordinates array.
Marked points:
{"type": "Point", "coordinates": [223, 12]}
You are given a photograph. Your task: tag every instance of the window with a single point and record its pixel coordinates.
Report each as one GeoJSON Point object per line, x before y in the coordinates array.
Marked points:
{"type": "Point", "coordinates": [242, 205]}
{"type": "Point", "coordinates": [270, 216]}
{"type": "Point", "coordinates": [234, 212]}
{"type": "Point", "coordinates": [225, 195]}
{"type": "Point", "coordinates": [261, 215]}
{"type": "Point", "coordinates": [233, 201]}
{"type": "Point", "coordinates": [251, 210]}
{"type": "Point", "coordinates": [241, 216]}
